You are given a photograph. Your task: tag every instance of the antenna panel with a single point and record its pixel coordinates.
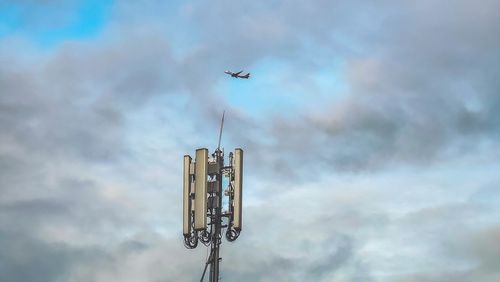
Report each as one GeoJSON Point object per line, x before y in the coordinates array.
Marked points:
{"type": "Point", "coordinates": [200, 183]}
{"type": "Point", "coordinates": [238, 185]}
{"type": "Point", "coordinates": [186, 209]}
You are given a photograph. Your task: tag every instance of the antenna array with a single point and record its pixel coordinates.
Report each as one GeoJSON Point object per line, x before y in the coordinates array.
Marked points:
{"type": "Point", "coordinates": [203, 214]}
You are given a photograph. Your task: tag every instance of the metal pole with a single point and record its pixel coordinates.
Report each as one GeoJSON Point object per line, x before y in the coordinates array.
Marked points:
{"type": "Point", "coordinates": [217, 221]}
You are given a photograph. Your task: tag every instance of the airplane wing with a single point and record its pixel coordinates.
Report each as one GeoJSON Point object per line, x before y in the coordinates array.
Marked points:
{"type": "Point", "coordinates": [238, 72]}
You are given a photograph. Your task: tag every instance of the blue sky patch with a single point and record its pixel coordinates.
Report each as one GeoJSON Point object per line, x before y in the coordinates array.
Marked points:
{"type": "Point", "coordinates": [48, 25]}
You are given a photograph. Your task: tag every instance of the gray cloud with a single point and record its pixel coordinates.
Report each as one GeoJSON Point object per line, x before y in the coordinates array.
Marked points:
{"type": "Point", "coordinates": [63, 120]}
{"type": "Point", "coordinates": [426, 92]}
{"type": "Point", "coordinates": [84, 200]}
{"type": "Point", "coordinates": [476, 247]}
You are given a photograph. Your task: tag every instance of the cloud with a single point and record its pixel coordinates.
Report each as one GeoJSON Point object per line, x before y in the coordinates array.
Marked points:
{"type": "Point", "coordinates": [25, 259]}
{"type": "Point", "coordinates": [93, 132]}
{"type": "Point", "coordinates": [424, 94]}
{"type": "Point", "coordinates": [64, 118]}
{"type": "Point", "coordinates": [477, 249]}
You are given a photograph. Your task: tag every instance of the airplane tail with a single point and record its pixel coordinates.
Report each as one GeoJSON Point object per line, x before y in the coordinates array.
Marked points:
{"type": "Point", "coordinates": [246, 75]}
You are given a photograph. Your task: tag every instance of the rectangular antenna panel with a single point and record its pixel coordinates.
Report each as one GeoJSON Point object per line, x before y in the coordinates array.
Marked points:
{"type": "Point", "coordinates": [200, 194]}
{"type": "Point", "coordinates": [186, 211]}
{"type": "Point", "coordinates": [238, 185]}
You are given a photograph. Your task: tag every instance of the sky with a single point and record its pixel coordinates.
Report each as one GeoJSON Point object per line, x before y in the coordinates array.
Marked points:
{"type": "Point", "coordinates": [371, 135]}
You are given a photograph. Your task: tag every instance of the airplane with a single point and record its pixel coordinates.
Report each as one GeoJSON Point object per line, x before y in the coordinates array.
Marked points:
{"type": "Point", "coordinates": [237, 74]}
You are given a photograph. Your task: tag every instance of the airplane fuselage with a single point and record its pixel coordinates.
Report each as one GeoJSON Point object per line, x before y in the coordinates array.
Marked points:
{"type": "Point", "coordinates": [237, 74]}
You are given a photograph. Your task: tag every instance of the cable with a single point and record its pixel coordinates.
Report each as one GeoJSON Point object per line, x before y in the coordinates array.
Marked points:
{"type": "Point", "coordinates": [206, 265]}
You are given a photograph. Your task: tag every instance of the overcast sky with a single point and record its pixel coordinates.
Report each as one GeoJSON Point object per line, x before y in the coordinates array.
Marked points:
{"type": "Point", "coordinates": [371, 133]}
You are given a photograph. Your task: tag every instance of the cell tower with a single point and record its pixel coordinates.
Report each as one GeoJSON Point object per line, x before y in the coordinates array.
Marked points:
{"type": "Point", "coordinates": [202, 201]}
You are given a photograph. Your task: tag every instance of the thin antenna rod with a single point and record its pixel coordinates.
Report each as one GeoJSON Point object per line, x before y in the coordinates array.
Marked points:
{"type": "Point", "coordinates": [220, 132]}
